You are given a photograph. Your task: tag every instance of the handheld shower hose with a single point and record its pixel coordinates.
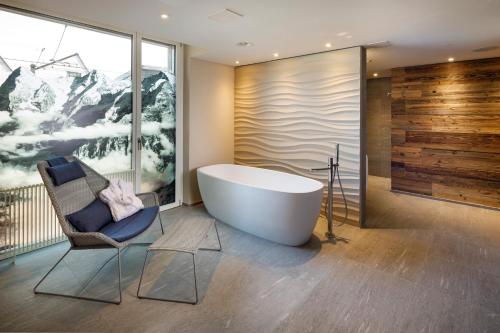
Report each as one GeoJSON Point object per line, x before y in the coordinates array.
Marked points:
{"type": "Point", "coordinates": [333, 169]}
{"type": "Point", "coordinates": [346, 212]}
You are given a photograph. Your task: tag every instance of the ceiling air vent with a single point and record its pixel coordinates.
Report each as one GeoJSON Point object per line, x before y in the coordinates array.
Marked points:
{"type": "Point", "coordinates": [226, 16]}
{"type": "Point", "coordinates": [244, 44]}
{"type": "Point", "coordinates": [378, 45]}
{"type": "Point", "coordinates": [486, 49]}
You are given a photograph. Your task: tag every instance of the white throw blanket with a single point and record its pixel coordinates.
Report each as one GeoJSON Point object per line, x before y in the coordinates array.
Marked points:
{"type": "Point", "coordinates": [120, 198]}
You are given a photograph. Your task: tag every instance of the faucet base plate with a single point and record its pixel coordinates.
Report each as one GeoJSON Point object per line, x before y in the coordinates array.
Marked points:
{"type": "Point", "coordinates": [334, 239]}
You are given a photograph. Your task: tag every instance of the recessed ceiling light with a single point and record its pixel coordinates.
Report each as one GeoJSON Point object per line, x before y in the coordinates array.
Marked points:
{"type": "Point", "coordinates": [375, 74]}
{"type": "Point", "coordinates": [451, 59]}
{"type": "Point", "coordinates": [237, 62]}
{"type": "Point", "coordinates": [276, 55]}
{"type": "Point", "coordinates": [164, 16]}
{"type": "Point", "coordinates": [328, 45]}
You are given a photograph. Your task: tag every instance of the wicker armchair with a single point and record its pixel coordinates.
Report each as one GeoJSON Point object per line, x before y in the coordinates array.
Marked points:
{"type": "Point", "coordinates": [71, 197]}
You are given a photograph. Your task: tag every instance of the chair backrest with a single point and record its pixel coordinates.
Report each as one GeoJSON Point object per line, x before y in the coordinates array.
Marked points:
{"type": "Point", "coordinates": [73, 195]}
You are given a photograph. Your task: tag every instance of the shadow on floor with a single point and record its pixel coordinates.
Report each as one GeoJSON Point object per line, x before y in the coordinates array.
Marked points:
{"type": "Point", "coordinates": [170, 275]}
{"type": "Point", "coordinates": [251, 248]}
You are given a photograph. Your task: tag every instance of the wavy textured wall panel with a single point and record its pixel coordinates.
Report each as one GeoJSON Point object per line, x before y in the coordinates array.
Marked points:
{"type": "Point", "coordinates": [290, 113]}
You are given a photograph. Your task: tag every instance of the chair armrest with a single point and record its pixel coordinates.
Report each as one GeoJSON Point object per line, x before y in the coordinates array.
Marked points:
{"type": "Point", "coordinates": [149, 199]}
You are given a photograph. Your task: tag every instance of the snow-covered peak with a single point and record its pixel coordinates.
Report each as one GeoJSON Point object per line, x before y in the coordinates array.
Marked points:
{"type": "Point", "coordinates": [26, 85]}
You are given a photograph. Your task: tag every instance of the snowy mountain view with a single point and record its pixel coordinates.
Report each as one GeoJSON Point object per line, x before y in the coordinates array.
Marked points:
{"type": "Point", "coordinates": [48, 113]}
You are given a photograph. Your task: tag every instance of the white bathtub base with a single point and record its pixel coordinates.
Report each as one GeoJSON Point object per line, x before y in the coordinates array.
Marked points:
{"type": "Point", "coordinates": [241, 197]}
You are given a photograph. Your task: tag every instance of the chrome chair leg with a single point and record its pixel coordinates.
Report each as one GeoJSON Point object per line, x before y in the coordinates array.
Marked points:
{"type": "Point", "coordinates": [95, 274]}
{"type": "Point", "coordinates": [217, 233]}
{"type": "Point", "coordinates": [218, 240]}
{"type": "Point", "coordinates": [119, 275]}
{"type": "Point", "coordinates": [169, 299]}
{"type": "Point", "coordinates": [142, 273]}
{"type": "Point", "coordinates": [195, 282]}
{"type": "Point", "coordinates": [36, 291]}
{"type": "Point", "coordinates": [161, 224]}
{"type": "Point", "coordinates": [50, 271]}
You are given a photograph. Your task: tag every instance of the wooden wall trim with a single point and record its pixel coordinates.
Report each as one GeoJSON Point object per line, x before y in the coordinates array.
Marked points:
{"type": "Point", "coordinates": [363, 172]}
{"type": "Point", "coordinates": [446, 131]}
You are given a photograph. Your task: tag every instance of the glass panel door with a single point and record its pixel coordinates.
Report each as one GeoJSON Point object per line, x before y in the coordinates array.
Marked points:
{"type": "Point", "coordinates": [158, 120]}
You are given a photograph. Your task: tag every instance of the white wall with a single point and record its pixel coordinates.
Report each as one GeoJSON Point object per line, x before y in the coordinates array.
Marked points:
{"type": "Point", "coordinates": [208, 119]}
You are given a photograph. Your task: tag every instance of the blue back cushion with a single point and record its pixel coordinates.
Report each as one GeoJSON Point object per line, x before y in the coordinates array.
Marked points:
{"type": "Point", "coordinates": [91, 218]}
{"type": "Point", "coordinates": [64, 173]}
{"type": "Point", "coordinates": [57, 161]}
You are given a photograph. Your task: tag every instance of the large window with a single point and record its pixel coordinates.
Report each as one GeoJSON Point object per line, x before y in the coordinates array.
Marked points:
{"type": "Point", "coordinates": [64, 89]}
{"type": "Point", "coordinates": [72, 89]}
{"type": "Point", "coordinates": [158, 120]}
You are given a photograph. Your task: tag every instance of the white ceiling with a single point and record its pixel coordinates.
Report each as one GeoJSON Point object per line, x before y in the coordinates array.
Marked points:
{"type": "Point", "coordinates": [420, 31]}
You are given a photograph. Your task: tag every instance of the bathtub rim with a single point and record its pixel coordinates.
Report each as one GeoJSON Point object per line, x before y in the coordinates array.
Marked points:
{"type": "Point", "coordinates": [320, 185]}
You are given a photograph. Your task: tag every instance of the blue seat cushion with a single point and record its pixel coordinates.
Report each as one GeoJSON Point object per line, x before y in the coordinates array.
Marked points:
{"type": "Point", "coordinates": [64, 173]}
{"type": "Point", "coordinates": [131, 226]}
{"type": "Point", "coordinates": [92, 217]}
{"type": "Point", "coordinates": [57, 161]}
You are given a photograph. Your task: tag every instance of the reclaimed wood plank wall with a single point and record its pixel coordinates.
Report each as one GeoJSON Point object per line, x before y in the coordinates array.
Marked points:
{"type": "Point", "coordinates": [446, 131]}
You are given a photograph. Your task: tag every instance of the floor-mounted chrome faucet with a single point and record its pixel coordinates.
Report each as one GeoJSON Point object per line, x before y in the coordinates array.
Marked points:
{"type": "Point", "coordinates": [333, 169]}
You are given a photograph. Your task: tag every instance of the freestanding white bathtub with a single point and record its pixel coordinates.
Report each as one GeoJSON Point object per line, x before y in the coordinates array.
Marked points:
{"type": "Point", "coordinates": [277, 206]}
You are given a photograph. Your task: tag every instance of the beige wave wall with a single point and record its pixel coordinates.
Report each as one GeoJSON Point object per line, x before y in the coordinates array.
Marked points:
{"type": "Point", "coordinates": [290, 113]}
